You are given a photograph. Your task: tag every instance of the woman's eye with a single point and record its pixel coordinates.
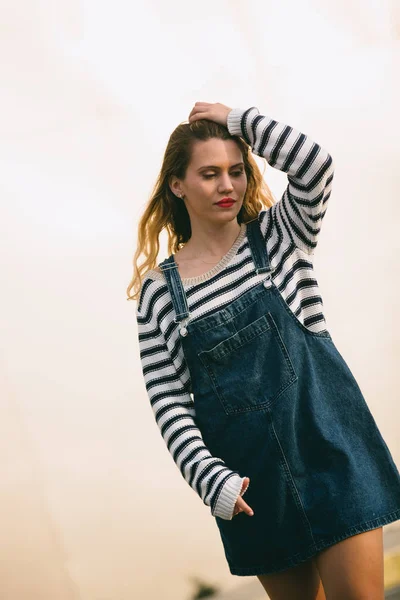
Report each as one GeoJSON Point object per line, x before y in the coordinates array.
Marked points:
{"type": "Point", "coordinates": [235, 173]}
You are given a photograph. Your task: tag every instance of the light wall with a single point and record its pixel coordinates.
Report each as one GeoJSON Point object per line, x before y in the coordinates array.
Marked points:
{"type": "Point", "coordinates": [93, 507]}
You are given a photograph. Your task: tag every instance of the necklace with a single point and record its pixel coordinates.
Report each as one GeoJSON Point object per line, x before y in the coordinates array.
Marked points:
{"type": "Point", "coordinates": [205, 261]}
{"type": "Point", "coordinates": [210, 263]}
{"type": "Point", "coordinates": [214, 262]}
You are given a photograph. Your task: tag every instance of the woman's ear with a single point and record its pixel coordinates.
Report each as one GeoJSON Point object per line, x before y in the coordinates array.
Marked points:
{"type": "Point", "coordinates": [175, 186]}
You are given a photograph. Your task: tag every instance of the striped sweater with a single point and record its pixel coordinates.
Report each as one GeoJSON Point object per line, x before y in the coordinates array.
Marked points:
{"type": "Point", "coordinates": [290, 229]}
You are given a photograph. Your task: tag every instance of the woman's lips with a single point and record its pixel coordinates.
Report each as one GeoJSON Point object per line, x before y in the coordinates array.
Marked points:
{"type": "Point", "coordinates": [225, 203]}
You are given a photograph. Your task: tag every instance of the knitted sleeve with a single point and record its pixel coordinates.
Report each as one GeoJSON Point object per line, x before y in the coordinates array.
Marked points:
{"type": "Point", "coordinates": [164, 371]}
{"type": "Point", "coordinates": [309, 167]}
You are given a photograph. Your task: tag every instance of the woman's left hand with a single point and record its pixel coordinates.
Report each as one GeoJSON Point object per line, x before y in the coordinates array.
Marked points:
{"type": "Point", "coordinates": [213, 112]}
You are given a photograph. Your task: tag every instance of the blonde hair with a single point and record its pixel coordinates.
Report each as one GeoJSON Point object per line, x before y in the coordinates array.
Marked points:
{"type": "Point", "coordinates": [164, 210]}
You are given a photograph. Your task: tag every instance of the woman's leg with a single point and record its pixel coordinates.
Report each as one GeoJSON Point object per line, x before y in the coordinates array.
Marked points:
{"type": "Point", "coordinates": [353, 568]}
{"type": "Point", "coordinates": [301, 582]}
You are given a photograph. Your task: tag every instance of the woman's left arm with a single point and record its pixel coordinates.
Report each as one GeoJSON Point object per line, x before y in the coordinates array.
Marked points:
{"type": "Point", "coordinates": [309, 169]}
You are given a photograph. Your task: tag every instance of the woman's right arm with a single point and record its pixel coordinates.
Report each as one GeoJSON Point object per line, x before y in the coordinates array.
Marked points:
{"type": "Point", "coordinates": [218, 486]}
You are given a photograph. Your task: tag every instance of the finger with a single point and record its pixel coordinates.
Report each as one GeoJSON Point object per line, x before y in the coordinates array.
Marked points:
{"type": "Point", "coordinates": [193, 114]}
{"type": "Point", "coordinates": [199, 110]}
{"type": "Point", "coordinates": [245, 484]}
{"type": "Point", "coordinates": [200, 106]}
{"type": "Point", "coordinates": [244, 506]}
{"type": "Point", "coordinates": [197, 114]}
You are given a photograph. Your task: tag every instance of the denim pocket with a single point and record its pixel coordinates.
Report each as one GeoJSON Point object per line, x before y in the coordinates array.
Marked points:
{"type": "Point", "coordinates": [251, 368]}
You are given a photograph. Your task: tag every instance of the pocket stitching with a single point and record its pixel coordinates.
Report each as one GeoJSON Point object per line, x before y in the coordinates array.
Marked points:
{"type": "Point", "coordinates": [263, 329]}
{"type": "Point", "coordinates": [293, 377]}
{"type": "Point", "coordinates": [231, 317]}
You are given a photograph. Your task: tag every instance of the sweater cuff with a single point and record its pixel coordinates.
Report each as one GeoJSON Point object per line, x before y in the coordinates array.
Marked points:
{"type": "Point", "coordinates": [227, 498]}
{"type": "Point", "coordinates": [233, 122]}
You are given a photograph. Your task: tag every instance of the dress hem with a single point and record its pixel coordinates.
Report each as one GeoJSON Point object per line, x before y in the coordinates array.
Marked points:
{"type": "Point", "coordinates": [313, 549]}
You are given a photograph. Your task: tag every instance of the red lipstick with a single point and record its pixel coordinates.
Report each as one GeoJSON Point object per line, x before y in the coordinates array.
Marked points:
{"type": "Point", "coordinates": [225, 202]}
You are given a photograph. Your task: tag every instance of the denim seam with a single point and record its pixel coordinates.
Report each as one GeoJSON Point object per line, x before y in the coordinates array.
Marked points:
{"type": "Point", "coordinates": [266, 405]}
{"type": "Point", "coordinates": [180, 294]}
{"type": "Point", "coordinates": [293, 484]}
{"type": "Point", "coordinates": [312, 549]}
{"type": "Point", "coordinates": [299, 324]}
{"type": "Point", "coordinates": [256, 335]}
{"type": "Point", "coordinates": [232, 317]}
{"type": "Point", "coordinates": [285, 351]}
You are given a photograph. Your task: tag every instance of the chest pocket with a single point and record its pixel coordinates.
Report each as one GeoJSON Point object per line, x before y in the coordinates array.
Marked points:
{"type": "Point", "coordinates": [251, 368]}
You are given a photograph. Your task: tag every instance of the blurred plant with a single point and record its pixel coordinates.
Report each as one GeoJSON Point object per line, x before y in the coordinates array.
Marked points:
{"type": "Point", "coordinates": [203, 589]}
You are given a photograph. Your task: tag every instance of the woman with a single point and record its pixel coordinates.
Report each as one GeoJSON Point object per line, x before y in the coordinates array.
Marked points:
{"type": "Point", "coordinates": [248, 389]}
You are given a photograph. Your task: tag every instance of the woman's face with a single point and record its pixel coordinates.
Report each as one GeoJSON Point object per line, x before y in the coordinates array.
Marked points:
{"type": "Point", "coordinates": [216, 171]}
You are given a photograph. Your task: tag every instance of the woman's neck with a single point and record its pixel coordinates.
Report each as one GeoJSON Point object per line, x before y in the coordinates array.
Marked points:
{"type": "Point", "coordinates": [210, 245]}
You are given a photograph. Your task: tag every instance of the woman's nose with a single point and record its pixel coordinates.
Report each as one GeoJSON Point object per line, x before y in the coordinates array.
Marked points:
{"type": "Point", "coordinates": [226, 184]}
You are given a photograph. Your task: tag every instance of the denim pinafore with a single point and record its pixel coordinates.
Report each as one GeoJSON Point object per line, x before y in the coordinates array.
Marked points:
{"type": "Point", "coordinates": [278, 403]}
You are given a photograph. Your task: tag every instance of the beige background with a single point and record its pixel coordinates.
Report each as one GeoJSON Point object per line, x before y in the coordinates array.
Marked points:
{"type": "Point", "coordinates": [93, 507]}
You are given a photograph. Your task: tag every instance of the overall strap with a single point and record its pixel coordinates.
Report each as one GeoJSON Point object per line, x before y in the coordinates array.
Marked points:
{"type": "Point", "coordinates": [258, 247]}
{"type": "Point", "coordinates": [175, 286]}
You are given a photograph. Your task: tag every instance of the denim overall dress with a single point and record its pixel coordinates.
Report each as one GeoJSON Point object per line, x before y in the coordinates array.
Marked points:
{"type": "Point", "coordinates": [278, 403]}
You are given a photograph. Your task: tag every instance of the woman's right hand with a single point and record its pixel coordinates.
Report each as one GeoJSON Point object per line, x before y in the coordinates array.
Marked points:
{"type": "Point", "coordinates": [241, 505]}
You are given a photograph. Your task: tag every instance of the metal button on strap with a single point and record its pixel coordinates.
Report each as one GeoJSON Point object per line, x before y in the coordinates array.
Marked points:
{"type": "Point", "coordinates": [183, 331]}
{"type": "Point", "coordinates": [266, 283]}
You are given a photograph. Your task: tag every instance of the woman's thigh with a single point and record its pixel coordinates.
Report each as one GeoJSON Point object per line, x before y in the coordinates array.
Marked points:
{"type": "Point", "coordinates": [301, 582]}
{"type": "Point", "coordinates": [353, 569]}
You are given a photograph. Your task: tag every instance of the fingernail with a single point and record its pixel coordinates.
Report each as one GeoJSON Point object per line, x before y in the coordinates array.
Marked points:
{"type": "Point", "coordinates": [251, 513]}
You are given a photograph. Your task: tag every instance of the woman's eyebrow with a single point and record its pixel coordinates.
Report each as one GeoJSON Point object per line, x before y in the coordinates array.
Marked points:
{"type": "Point", "coordinates": [216, 167]}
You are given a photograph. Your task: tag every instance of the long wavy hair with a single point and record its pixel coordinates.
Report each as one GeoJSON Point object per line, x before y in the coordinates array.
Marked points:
{"type": "Point", "coordinates": [166, 211]}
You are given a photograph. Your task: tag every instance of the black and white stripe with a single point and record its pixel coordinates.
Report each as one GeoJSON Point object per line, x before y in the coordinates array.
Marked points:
{"type": "Point", "coordinates": [291, 228]}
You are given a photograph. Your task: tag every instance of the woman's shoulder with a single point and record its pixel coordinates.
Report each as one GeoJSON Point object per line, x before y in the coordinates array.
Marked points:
{"type": "Point", "coordinates": [151, 283]}
{"type": "Point", "coordinates": [155, 274]}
